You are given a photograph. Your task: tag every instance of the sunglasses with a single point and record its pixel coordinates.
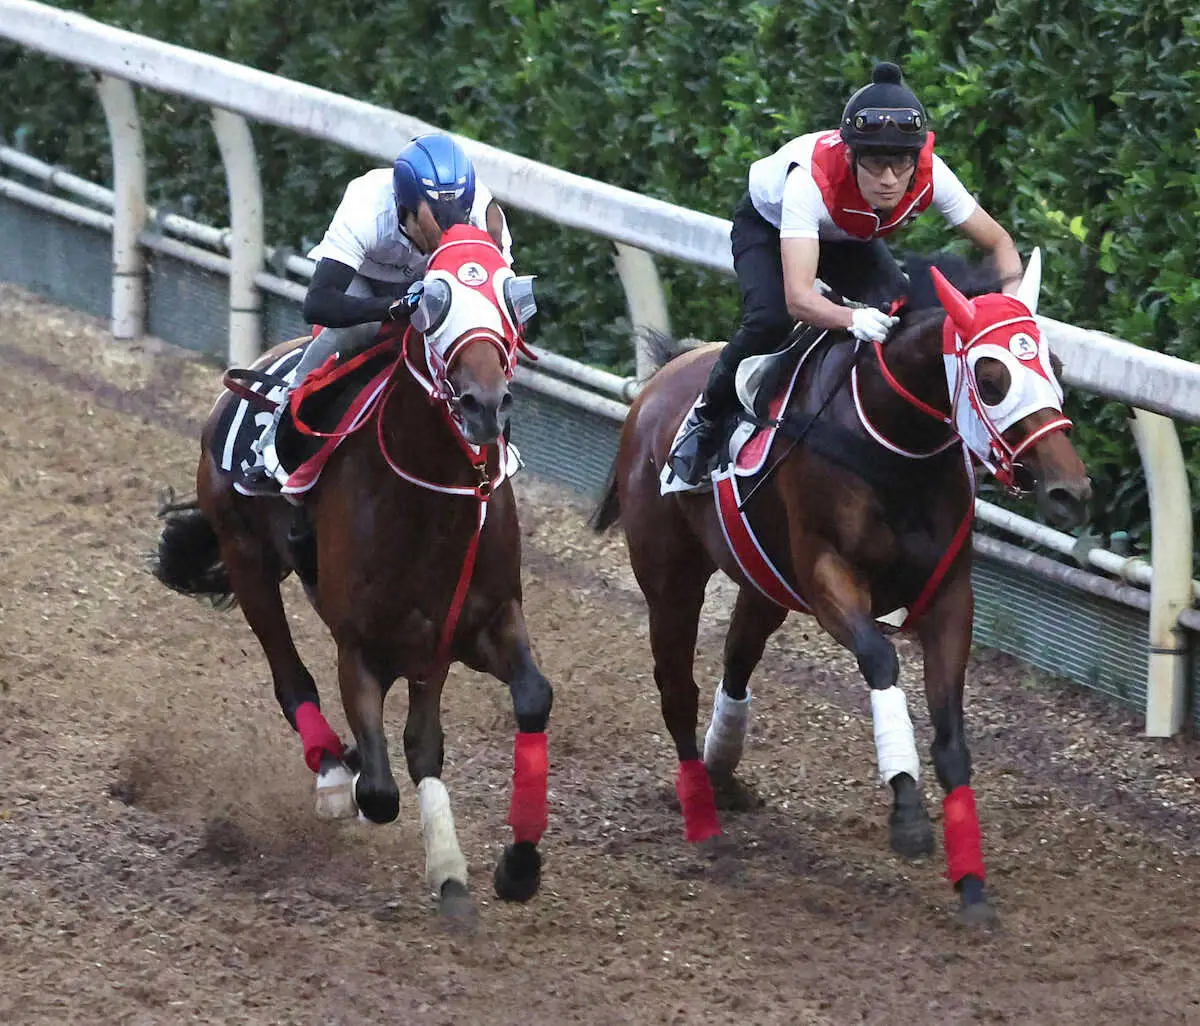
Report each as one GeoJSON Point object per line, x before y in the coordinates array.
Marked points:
{"type": "Point", "coordinates": [876, 164]}
{"type": "Point", "coordinates": [905, 120]}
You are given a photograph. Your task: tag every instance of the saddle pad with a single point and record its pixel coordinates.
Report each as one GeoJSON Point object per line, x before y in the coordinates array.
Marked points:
{"type": "Point", "coordinates": [750, 442]}
{"type": "Point", "coordinates": [241, 424]}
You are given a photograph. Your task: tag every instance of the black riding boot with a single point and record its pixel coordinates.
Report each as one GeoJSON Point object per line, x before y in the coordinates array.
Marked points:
{"type": "Point", "coordinates": [692, 459]}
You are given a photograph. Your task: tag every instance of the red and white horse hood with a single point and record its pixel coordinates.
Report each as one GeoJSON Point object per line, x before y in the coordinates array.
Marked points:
{"type": "Point", "coordinates": [1002, 328]}
{"type": "Point", "coordinates": [470, 294]}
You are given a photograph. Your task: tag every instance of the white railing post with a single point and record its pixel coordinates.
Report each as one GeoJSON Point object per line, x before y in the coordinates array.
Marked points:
{"type": "Point", "coordinates": [645, 300]}
{"type": "Point", "coordinates": [247, 251]}
{"type": "Point", "coordinates": [129, 208]}
{"type": "Point", "coordinates": [1171, 559]}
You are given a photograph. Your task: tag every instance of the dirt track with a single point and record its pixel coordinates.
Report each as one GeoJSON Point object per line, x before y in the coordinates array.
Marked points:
{"type": "Point", "coordinates": [160, 862]}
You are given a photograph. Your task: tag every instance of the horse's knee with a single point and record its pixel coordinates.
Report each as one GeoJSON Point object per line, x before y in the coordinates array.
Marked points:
{"type": "Point", "coordinates": [532, 700]}
{"type": "Point", "coordinates": [378, 800]}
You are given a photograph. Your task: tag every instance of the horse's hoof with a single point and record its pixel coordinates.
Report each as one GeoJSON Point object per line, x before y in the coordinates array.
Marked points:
{"type": "Point", "coordinates": [979, 915]}
{"type": "Point", "coordinates": [335, 794]}
{"type": "Point", "coordinates": [376, 805]}
{"type": "Point", "coordinates": [519, 872]}
{"type": "Point", "coordinates": [912, 834]}
{"type": "Point", "coordinates": [456, 906]}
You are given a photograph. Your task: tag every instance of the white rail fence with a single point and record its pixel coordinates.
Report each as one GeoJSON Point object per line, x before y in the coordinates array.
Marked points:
{"type": "Point", "coordinates": [1158, 387]}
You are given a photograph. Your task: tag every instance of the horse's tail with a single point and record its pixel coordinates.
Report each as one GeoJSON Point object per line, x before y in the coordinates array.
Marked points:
{"type": "Point", "coordinates": [608, 512]}
{"type": "Point", "coordinates": [662, 348]}
{"type": "Point", "coordinates": [188, 559]}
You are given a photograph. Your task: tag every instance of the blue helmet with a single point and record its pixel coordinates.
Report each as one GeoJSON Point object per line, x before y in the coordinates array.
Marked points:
{"type": "Point", "coordinates": [434, 169]}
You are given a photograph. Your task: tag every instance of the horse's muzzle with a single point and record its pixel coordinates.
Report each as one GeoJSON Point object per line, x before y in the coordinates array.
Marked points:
{"type": "Point", "coordinates": [484, 414]}
{"type": "Point", "coordinates": [1065, 504]}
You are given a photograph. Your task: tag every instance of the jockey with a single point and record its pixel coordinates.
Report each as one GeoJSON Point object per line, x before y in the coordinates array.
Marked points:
{"type": "Point", "coordinates": [820, 206]}
{"type": "Point", "coordinates": [377, 246]}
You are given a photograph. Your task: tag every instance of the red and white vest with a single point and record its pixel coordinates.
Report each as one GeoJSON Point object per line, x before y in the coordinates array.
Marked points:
{"type": "Point", "coordinates": [835, 177]}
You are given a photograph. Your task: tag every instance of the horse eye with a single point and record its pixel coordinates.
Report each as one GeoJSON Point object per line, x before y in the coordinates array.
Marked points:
{"type": "Point", "coordinates": [993, 381]}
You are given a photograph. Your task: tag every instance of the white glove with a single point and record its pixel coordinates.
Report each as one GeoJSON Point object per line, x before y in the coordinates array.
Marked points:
{"type": "Point", "coordinates": [870, 325]}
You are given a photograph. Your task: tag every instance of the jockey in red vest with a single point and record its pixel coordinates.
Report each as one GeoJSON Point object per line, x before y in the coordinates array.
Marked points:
{"type": "Point", "coordinates": [819, 207]}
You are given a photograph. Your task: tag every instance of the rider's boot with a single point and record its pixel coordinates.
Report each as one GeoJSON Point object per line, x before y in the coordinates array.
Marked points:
{"type": "Point", "coordinates": [693, 458]}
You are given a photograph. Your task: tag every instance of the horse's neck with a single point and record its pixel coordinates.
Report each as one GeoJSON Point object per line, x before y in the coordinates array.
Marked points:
{"type": "Point", "coordinates": [418, 436]}
{"type": "Point", "coordinates": [914, 358]}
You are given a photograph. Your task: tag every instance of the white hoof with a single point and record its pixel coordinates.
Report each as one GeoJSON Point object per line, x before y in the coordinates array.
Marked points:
{"type": "Point", "coordinates": [335, 794]}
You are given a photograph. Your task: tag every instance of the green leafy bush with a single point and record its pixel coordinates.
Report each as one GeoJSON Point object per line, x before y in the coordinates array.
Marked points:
{"type": "Point", "coordinates": [1075, 124]}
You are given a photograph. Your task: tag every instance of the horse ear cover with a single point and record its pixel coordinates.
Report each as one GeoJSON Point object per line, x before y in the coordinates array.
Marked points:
{"type": "Point", "coordinates": [958, 306]}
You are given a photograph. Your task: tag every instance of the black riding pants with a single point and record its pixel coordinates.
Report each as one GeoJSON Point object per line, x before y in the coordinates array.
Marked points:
{"type": "Point", "coordinates": [861, 270]}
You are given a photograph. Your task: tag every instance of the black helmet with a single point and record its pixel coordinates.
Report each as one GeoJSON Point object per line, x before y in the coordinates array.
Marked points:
{"type": "Point", "coordinates": [884, 116]}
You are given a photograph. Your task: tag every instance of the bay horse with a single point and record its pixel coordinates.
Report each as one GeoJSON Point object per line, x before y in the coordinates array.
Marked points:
{"type": "Point", "coordinates": [867, 510]}
{"type": "Point", "coordinates": [417, 564]}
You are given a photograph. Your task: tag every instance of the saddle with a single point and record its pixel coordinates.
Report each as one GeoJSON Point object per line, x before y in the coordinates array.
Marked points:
{"type": "Point", "coordinates": [333, 401]}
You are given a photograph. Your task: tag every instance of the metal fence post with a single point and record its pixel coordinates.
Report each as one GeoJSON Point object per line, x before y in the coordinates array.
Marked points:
{"type": "Point", "coordinates": [245, 239]}
{"type": "Point", "coordinates": [129, 208]}
{"type": "Point", "coordinates": [1171, 559]}
{"type": "Point", "coordinates": [646, 302]}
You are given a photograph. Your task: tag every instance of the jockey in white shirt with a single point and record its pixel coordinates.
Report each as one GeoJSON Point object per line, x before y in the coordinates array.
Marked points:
{"type": "Point", "coordinates": [819, 207]}
{"type": "Point", "coordinates": [378, 245]}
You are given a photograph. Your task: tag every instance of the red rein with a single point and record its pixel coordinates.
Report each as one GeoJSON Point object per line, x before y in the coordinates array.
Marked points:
{"type": "Point", "coordinates": [964, 842]}
{"type": "Point", "coordinates": [531, 769]}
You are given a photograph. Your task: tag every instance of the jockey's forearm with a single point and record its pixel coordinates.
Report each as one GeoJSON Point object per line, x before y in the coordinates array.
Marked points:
{"type": "Point", "coordinates": [327, 304]}
{"type": "Point", "coordinates": [811, 307]}
{"type": "Point", "coordinates": [335, 309]}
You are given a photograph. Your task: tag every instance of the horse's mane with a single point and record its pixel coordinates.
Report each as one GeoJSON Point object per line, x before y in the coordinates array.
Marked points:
{"type": "Point", "coordinates": [971, 279]}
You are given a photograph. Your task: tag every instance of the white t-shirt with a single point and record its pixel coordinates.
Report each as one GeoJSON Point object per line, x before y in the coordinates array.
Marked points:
{"type": "Point", "coordinates": [365, 231]}
{"type": "Point", "coordinates": [791, 200]}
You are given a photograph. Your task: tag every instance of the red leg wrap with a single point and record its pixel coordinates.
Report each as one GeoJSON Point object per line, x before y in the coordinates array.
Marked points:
{"type": "Point", "coordinates": [531, 768]}
{"type": "Point", "coordinates": [964, 842]}
{"type": "Point", "coordinates": [696, 796]}
{"type": "Point", "coordinates": [316, 735]}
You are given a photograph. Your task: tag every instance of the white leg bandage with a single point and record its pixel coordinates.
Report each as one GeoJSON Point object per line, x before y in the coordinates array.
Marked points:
{"type": "Point", "coordinates": [895, 745]}
{"type": "Point", "coordinates": [725, 739]}
{"type": "Point", "coordinates": [443, 858]}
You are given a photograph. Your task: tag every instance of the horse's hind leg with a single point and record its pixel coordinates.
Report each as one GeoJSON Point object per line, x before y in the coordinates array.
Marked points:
{"type": "Point", "coordinates": [424, 750]}
{"type": "Point", "coordinates": [945, 633]}
{"type": "Point", "coordinates": [755, 618]}
{"type": "Point", "coordinates": [842, 605]}
{"type": "Point", "coordinates": [255, 574]}
{"type": "Point", "coordinates": [504, 651]}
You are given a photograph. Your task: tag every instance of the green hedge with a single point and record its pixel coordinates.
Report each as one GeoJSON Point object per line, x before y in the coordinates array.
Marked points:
{"type": "Point", "coordinates": [1075, 124]}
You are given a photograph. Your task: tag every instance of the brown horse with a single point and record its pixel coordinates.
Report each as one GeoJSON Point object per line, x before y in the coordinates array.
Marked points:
{"type": "Point", "coordinates": [867, 510]}
{"type": "Point", "coordinates": [417, 565]}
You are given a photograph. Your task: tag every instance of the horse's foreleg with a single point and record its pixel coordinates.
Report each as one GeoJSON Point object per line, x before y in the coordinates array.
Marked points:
{"type": "Point", "coordinates": [755, 618]}
{"type": "Point", "coordinates": [363, 690]}
{"type": "Point", "coordinates": [841, 602]}
{"type": "Point", "coordinates": [424, 750]}
{"type": "Point", "coordinates": [675, 594]}
{"type": "Point", "coordinates": [254, 575]}
{"type": "Point", "coordinates": [945, 633]}
{"type": "Point", "coordinates": [504, 651]}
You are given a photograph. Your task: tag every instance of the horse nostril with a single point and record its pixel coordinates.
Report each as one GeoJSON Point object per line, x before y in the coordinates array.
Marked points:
{"type": "Point", "coordinates": [506, 402]}
{"type": "Point", "coordinates": [468, 403]}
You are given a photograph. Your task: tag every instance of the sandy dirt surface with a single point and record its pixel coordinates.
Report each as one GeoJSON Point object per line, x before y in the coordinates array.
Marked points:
{"type": "Point", "coordinates": [160, 862]}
